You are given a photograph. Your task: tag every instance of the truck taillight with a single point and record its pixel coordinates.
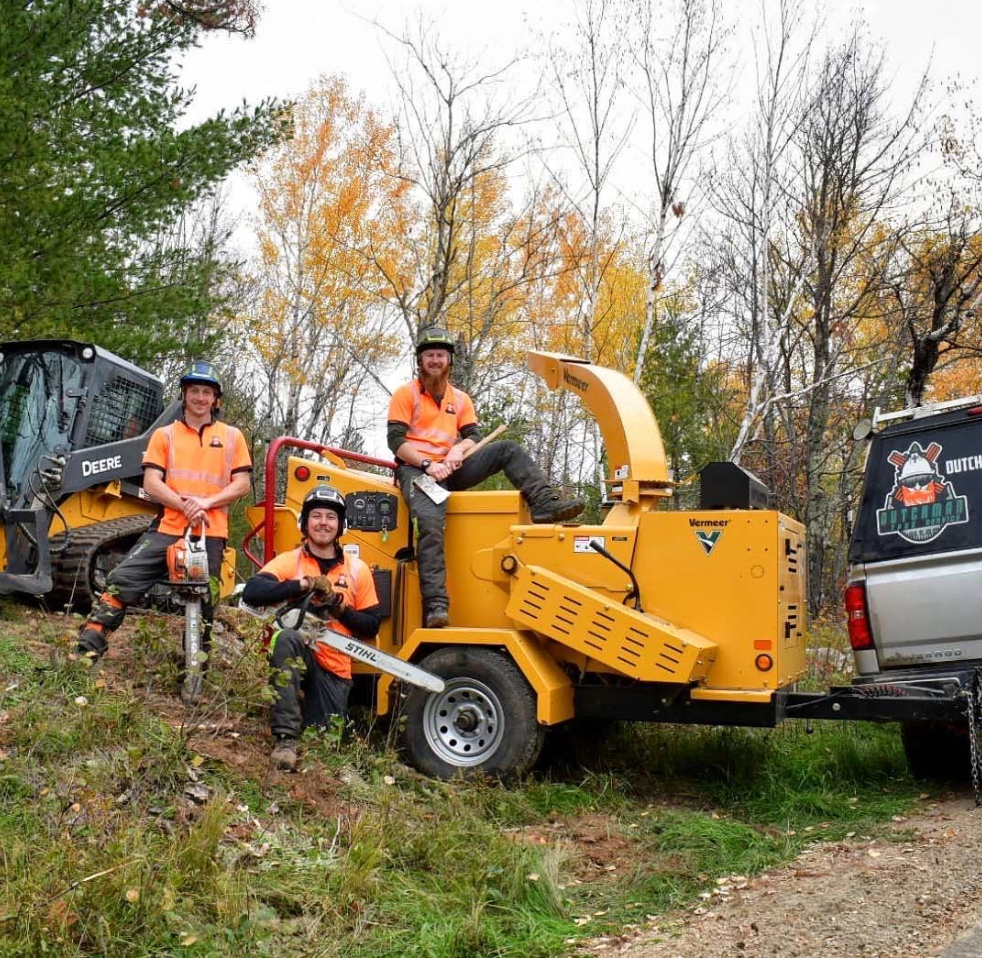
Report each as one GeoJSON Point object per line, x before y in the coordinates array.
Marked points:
{"type": "Point", "coordinates": [860, 636]}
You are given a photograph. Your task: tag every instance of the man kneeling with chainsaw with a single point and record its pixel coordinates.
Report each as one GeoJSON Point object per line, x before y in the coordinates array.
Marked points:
{"type": "Point", "coordinates": [310, 680]}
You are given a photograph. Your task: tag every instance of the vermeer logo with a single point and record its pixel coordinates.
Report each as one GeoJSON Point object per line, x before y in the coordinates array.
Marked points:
{"type": "Point", "coordinates": [922, 503]}
{"type": "Point", "coordinates": [708, 540]}
{"type": "Point", "coordinates": [575, 381]}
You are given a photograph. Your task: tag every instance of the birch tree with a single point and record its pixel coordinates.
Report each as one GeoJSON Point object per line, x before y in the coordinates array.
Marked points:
{"type": "Point", "coordinates": [588, 74]}
{"type": "Point", "coordinates": [683, 86]}
{"type": "Point", "coordinates": [752, 194]}
{"type": "Point", "coordinates": [856, 157]}
{"type": "Point", "coordinates": [468, 251]}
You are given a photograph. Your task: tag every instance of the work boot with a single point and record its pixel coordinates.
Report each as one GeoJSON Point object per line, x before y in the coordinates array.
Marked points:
{"type": "Point", "coordinates": [437, 618]}
{"type": "Point", "coordinates": [555, 509]}
{"type": "Point", "coordinates": [92, 645]}
{"type": "Point", "coordinates": [284, 755]}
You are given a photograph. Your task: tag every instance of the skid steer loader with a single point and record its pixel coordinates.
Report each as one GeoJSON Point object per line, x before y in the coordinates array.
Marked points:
{"type": "Point", "coordinates": [74, 422]}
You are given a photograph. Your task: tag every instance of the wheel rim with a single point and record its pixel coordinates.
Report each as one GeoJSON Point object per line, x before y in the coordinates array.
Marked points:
{"type": "Point", "coordinates": [464, 724]}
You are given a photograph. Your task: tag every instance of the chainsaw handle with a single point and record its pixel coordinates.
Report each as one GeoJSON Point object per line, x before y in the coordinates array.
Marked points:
{"type": "Point", "coordinates": [301, 606]}
{"type": "Point", "coordinates": [189, 533]}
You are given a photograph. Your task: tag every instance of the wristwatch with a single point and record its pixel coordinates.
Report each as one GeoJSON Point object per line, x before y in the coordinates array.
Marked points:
{"type": "Point", "coordinates": [425, 464]}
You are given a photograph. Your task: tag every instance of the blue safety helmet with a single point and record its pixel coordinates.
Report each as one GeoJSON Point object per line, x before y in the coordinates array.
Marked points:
{"type": "Point", "coordinates": [203, 372]}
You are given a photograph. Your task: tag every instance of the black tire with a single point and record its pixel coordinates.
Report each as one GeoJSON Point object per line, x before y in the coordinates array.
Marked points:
{"type": "Point", "coordinates": [80, 570]}
{"type": "Point", "coordinates": [936, 751]}
{"type": "Point", "coordinates": [483, 723]}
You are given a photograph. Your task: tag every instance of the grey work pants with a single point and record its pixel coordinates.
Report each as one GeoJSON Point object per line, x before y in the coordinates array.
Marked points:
{"type": "Point", "coordinates": [430, 517]}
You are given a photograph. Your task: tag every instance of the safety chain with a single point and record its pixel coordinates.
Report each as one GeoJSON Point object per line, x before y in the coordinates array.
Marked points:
{"type": "Point", "coordinates": [973, 736]}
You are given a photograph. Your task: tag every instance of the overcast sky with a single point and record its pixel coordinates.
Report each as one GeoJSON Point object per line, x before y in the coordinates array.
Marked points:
{"type": "Point", "coordinates": [297, 40]}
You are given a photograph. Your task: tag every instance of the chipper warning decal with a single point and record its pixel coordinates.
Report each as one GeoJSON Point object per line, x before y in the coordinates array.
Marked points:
{"type": "Point", "coordinates": [922, 502]}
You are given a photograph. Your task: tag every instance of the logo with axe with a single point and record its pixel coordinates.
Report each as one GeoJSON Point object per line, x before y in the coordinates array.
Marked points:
{"type": "Point", "coordinates": [922, 503]}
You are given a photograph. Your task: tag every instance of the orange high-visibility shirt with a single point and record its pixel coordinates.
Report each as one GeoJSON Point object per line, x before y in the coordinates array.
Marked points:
{"type": "Point", "coordinates": [432, 429]}
{"type": "Point", "coordinates": [352, 578]}
{"type": "Point", "coordinates": [197, 463]}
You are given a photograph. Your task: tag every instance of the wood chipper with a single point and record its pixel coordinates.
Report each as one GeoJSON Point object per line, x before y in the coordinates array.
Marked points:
{"type": "Point", "coordinates": [651, 614]}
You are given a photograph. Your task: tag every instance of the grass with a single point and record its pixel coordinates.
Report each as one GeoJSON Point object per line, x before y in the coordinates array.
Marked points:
{"type": "Point", "coordinates": [104, 849]}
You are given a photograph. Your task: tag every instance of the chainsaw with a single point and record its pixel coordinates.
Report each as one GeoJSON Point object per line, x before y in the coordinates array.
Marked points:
{"type": "Point", "coordinates": [294, 616]}
{"type": "Point", "coordinates": [188, 574]}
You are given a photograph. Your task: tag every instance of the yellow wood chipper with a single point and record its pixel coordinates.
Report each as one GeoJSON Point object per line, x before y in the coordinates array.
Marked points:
{"type": "Point", "coordinates": [650, 614]}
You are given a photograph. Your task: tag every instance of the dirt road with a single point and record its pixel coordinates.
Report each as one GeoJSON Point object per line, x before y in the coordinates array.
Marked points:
{"type": "Point", "coordinates": [905, 898]}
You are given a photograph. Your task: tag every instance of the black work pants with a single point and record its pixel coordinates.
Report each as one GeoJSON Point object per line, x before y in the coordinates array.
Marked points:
{"type": "Point", "coordinates": [304, 692]}
{"type": "Point", "coordinates": [430, 517]}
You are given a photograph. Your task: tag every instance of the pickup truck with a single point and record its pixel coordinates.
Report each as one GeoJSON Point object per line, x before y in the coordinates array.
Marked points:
{"type": "Point", "coordinates": [914, 593]}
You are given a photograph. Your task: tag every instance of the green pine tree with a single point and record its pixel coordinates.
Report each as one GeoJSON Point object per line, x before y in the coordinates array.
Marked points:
{"type": "Point", "coordinates": [95, 170]}
{"type": "Point", "coordinates": [687, 396]}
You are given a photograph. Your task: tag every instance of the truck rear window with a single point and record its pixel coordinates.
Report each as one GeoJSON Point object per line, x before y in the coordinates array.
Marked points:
{"type": "Point", "coordinates": [923, 490]}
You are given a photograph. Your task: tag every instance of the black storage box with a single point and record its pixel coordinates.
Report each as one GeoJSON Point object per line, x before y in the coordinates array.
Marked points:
{"type": "Point", "coordinates": [725, 485]}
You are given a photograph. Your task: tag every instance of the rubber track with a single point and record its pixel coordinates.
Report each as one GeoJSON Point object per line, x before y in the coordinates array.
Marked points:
{"type": "Point", "coordinates": [85, 542]}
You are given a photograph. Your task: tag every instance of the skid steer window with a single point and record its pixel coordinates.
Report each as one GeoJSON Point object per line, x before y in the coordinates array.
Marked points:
{"type": "Point", "coordinates": [36, 415]}
{"type": "Point", "coordinates": [122, 409]}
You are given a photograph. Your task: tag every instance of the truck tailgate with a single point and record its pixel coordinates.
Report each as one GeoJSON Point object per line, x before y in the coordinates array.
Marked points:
{"type": "Point", "coordinates": [926, 609]}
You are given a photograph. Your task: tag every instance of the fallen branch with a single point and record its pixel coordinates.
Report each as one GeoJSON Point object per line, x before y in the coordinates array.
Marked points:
{"type": "Point", "coordinates": [88, 878]}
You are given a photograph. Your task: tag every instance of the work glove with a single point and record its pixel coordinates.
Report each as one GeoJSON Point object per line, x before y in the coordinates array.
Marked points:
{"type": "Point", "coordinates": [321, 586]}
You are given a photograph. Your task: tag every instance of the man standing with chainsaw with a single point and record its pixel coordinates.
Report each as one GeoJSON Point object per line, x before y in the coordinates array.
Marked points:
{"type": "Point", "coordinates": [431, 428]}
{"type": "Point", "coordinates": [195, 467]}
{"type": "Point", "coordinates": [342, 598]}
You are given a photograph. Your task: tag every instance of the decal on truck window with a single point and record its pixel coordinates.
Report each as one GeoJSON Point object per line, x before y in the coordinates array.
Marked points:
{"type": "Point", "coordinates": [922, 502]}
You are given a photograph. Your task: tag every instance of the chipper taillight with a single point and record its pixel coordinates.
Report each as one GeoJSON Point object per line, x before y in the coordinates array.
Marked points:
{"type": "Point", "coordinates": [857, 617]}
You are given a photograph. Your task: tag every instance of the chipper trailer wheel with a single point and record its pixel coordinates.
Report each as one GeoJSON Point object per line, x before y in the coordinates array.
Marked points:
{"type": "Point", "coordinates": [482, 723]}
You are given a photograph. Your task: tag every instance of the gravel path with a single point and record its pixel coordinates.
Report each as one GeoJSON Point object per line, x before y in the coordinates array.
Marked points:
{"type": "Point", "coordinates": [915, 897]}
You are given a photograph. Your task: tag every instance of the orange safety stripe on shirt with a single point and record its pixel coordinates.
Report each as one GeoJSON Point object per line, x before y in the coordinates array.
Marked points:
{"type": "Point", "coordinates": [201, 482]}
{"type": "Point", "coordinates": [424, 432]}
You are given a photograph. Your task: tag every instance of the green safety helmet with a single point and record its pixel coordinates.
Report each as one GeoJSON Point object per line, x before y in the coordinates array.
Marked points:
{"type": "Point", "coordinates": [434, 337]}
{"type": "Point", "coordinates": [323, 497]}
{"type": "Point", "coordinates": [203, 372]}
